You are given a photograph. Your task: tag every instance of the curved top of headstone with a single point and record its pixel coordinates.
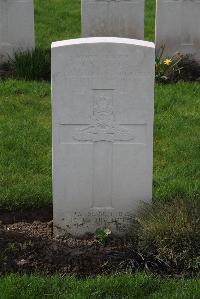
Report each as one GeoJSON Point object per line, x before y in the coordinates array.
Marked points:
{"type": "Point", "coordinates": [96, 40]}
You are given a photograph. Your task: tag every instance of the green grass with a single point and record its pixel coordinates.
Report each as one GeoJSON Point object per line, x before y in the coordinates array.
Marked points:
{"type": "Point", "coordinates": [56, 20]}
{"type": "Point", "coordinates": [25, 142]}
{"type": "Point", "coordinates": [176, 141]}
{"type": "Point", "coordinates": [150, 8]}
{"type": "Point", "coordinates": [61, 19]}
{"type": "Point", "coordinates": [138, 286]}
{"type": "Point", "coordinates": [25, 123]}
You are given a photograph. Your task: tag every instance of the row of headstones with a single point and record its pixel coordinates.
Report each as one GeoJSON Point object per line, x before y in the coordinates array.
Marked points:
{"type": "Point", "coordinates": [178, 23]}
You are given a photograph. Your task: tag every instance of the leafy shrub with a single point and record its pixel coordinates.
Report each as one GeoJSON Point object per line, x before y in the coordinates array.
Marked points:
{"type": "Point", "coordinates": [171, 232]}
{"type": "Point", "coordinates": [176, 68]}
{"type": "Point", "coordinates": [31, 65]}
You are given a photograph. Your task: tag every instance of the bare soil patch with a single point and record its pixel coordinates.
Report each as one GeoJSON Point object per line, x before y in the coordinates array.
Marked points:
{"type": "Point", "coordinates": [28, 246]}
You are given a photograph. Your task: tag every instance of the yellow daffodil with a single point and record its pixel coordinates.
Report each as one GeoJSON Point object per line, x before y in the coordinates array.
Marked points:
{"type": "Point", "coordinates": [168, 61]}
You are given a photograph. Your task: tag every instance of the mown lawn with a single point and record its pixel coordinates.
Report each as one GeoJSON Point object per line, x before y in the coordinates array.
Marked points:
{"type": "Point", "coordinates": [61, 19]}
{"type": "Point", "coordinates": [138, 286]}
{"type": "Point", "coordinates": [25, 142]}
{"type": "Point", "coordinates": [56, 20]}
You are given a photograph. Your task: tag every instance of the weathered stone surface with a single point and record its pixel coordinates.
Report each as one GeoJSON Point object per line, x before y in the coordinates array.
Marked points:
{"type": "Point", "coordinates": [16, 26]}
{"type": "Point", "coordinates": [121, 18]}
{"type": "Point", "coordinates": [102, 101]}
{"type": "Point", "coordinates": [178, 26]}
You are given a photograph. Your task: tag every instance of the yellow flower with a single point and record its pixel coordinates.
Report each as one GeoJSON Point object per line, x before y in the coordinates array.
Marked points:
{"type": "Point", "coordinates": [168, 61]}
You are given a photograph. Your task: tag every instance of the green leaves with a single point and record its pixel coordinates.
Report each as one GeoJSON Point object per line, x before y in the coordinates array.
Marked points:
{"type": "Point", "coordinates": [31, 65]}
{"type": "Point", "coordinates": [176, 68]}
{"type": "Point", "coordinates": [102, 234]}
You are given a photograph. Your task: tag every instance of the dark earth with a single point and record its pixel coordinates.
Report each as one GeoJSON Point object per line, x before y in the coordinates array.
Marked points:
{"type": "Point", "coordinates": [27, 245]}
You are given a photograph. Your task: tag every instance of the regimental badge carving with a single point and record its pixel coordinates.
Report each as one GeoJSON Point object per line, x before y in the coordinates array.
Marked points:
{"type": "Point", "coordinates": [103, 126]}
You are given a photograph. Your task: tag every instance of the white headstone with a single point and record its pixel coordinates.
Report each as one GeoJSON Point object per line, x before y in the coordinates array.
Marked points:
{"type": "Point", "coordinates": [178, 26]}
{"type": "Point", "coordinates": [16, 26]}
{"type": "Point", "coordinates": [103, 102]}
{"type": "Point", "coordinates": [120, 18]}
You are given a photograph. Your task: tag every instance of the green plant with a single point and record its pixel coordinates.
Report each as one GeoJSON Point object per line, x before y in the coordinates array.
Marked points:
{"type": "Point", "coordinates": [167, 70]}
{"type": "Point", "coordinates": [176, 68]}
{"type": "Point", "coordinates": [171, 232]}
{"type": "Point", "coordinates": [102, 234]}
{"type": "Point", "coordinates": [31, 65]}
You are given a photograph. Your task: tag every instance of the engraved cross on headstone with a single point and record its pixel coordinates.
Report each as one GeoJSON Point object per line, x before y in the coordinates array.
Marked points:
{"type": "Point", "coordinates": [103, 132]}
